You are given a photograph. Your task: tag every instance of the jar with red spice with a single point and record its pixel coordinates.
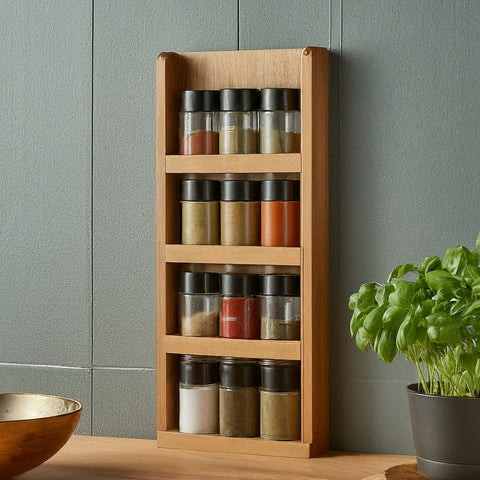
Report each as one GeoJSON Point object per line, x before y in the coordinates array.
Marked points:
{"type": "Point", "coordinates": [199, 122]}
{"type": "Point", "coordinates": [239, 306]}
{"type": "Point", "coordinates": [280, 213]}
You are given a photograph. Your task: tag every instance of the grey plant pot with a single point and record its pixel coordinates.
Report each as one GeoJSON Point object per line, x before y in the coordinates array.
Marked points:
{"type": "Point", "coordinates": [446, 432]}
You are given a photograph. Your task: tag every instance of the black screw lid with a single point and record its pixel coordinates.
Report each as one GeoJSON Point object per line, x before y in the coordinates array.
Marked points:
{"type": "Point", "coordinates": [198, 370]}
{"type": "Point", "coordinates": [239, 99]}
{"type": "Point", "coordinates": [200, 100]}
{"type": "Point", "coordinates": [239, 191]}
{"type": "Point", "coordinates": [285, 285]}
{"type": "Point", "coordinates": [198, 282]}
{"type": "Point", "coordinates": [238, 285]}
{"type": "Point", "coordinates": [200, 190]}
{"type": "Point", "coordinates": [238, 372]}
{"type": "Point", "coordinates": [280, 375]}
{"type": "Point", "coordinates": [280, 99]}
{"type": "Point", "coordinates": [280, 190]}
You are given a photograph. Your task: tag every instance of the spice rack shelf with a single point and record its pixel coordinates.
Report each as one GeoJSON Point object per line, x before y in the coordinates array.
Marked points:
{"type": "Point", "coordinates": [222, 347]}
{"type": "Point", "coordinates": [306, 69]}
{"type": "Point", "coordinates": [217, 443]}
{"type": "Point", "coordinates": [251, 163]}
{"type": "Point", "coordinates": [232, 255]}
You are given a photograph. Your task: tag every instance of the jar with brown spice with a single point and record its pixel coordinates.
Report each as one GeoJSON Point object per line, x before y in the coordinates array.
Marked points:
{"type": "Point", "coordinates": [198, 304]}
{"type": "Point", "coordinates": [238, 120]}
{"type": "Point", "coordinates": [199, 122]}
{"type": "Point", "coordinates": [280, 408]}
{"type": "Point", "coordinates": [239, 212]}
{"type": "Point", "coordinates": [279, 297]}
{"type": "Point", "coordinates": [200, 212]}
{"type": "Point", "coordinates": [239, 397]}
{"type": "Point", "coordinates": [280, 120]}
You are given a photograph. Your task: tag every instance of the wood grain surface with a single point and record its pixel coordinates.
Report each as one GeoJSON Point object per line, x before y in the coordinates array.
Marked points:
{"type": "Point", "coordinates": [399, 472]}
{"type": "Point", "coordinates": [87, 458]}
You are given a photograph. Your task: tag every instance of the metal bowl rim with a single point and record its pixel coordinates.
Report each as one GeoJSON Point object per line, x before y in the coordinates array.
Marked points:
{"type": "Point", "coordinates": [76, 402]}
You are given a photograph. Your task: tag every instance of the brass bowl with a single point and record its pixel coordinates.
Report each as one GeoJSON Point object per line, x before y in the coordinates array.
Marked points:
{"type": "Point", "coordinates": [33, 427]}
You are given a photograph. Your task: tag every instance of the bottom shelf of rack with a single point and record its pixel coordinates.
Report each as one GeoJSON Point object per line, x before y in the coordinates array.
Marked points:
{"type": "Point", "coordinates": [217, 443]}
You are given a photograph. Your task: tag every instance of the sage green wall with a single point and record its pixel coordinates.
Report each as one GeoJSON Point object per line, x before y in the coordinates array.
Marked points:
{"type": "Point", "coordinates": [77, 188]}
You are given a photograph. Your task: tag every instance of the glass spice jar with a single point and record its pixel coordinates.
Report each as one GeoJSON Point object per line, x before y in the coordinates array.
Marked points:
{"type": "Point", "coordinates": [198, 304]}
{"type": "Point", "coordinates": [280, 213]}
{"type": "Point", "coordinates": [280, 120]}
{"type": "Point", "coordinates": [239, 397]}
{"type": "Point", "coordinates": [279, 297]}
{"type": "Point", "coordinates": [199, 122]}
{"type": "Point", "coordinates": [239, 312]}
{"type": "Point", "coordinates": [238, 120]}
{"type": "Point", "coordinates": [200, 212]}
{"type": "Point", "coordinates": [280, 409]}
{"type": "Point", "coordinates": [198, 394]}
{"type": "Point", "coordinates": [239, 212]}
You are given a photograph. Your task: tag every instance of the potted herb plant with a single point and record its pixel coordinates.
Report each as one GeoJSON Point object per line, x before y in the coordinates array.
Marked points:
{"type": "Point", "coordinates": [430, 314]}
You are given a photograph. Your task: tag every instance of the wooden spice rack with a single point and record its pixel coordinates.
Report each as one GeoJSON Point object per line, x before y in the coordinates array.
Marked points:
{"type": "Point", "coordinates": [306, 69]}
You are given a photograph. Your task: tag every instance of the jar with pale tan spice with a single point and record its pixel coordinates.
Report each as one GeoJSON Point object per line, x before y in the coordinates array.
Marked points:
{"type": "Point", "coordinates": [239, 212]}
{"type": "Point", "coordinates": [200, 212]}
{"type": "Point", "coordinates": [198, 304]}
{"type": "Point", "coordinates": [280, 407]}
{"type": "Point", "coordinates": [238, 121]}
{"type": "Point", "coordinates": [280, 120]}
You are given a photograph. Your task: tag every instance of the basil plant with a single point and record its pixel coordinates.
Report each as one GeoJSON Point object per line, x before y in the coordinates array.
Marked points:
{"type": "Point", "coordinates": [433, 319]}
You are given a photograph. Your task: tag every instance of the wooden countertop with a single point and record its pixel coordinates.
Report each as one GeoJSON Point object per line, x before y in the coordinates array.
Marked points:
{"type": "Point", "coordinates": [89, 458]}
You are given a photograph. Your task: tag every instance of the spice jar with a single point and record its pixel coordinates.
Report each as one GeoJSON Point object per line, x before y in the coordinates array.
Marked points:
{"type": "Point", "coordinates": [198, 388]}
{"type": "Point", "coordinates": [238, 120]}
{"type": "Point", "coordinates": [280, 400]}
{"type": "Point", "coordinates": [239, 397]}
{"type": "Point", "coordinates": [239, 212]}
{"type": "Point", "coordinates": [280, 213]}
{"type": "Point", "coordinates": [280, 120]}
{"type": "Point", "coordinates": [200, 212]}
{"type": "Point", "coordinates": [239, 312]}
{"type": "Point", "coordinates": [199, 122]}
{"type": "Point", "coordinates": [279, 299]}
{"type": "Point", "coordinates": [198, 304]}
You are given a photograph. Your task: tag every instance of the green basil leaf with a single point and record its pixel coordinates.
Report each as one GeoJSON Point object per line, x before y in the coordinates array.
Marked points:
{"type": "Point", "coordinates": [439, 279]}
{"type": "Point", "coordinates": [430, 263]}
{"type": "Point", "coordinates": [474, 308]}
{"type": "Point", "coordinates": [476, 287]}
{"type": "Point", "coordinates": [352, 302]}
{"type": "Point", "coordinates": [407, 333]}
{"type": "Point", "coordinates": [373, 321]}
{"type": "Point", "coordinates": [403, 294]}
{"type": "Point", "coordinates": [386, 346]}
{"type": "Point", "coordinates": [366, 297]}
{"type": "Point", "coordinates": [439, 319]}
{"type": "Point", "coordinates": [356, 321]}
{"type": "Point", "coordinates": [455, 260]}
{"type": "Point", "coordinates": [383, 292]}
{"type": "Point", "coordinates": [362, 339]}
{"type": "Point", "coordinates": [444, 334]}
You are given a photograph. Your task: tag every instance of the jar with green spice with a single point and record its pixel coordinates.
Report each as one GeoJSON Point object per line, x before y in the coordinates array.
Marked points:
{"type": "Point", "coordinates": [280, 407]}
{"type": "Point", "coordinates": [239, 397]}
{"type": "Point", "coordinates": [200, 212]}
